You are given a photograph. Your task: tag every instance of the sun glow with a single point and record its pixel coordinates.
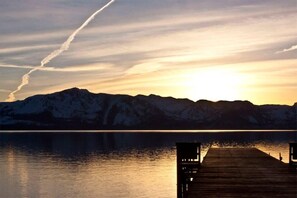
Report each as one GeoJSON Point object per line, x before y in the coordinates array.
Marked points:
{"type": "Point", "coordinates": [216, 84]}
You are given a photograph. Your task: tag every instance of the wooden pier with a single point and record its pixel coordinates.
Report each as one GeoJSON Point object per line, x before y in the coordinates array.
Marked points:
{"type": "Point", "coordinates": [242, 172]}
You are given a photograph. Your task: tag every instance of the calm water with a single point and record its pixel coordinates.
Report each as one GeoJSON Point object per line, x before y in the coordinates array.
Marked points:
{"type": "Point", "coordinates": [110, 164]}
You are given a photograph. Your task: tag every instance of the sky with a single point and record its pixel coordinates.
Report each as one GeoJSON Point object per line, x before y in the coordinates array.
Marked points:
{"type": "Point", "coordinates": [196, 49]}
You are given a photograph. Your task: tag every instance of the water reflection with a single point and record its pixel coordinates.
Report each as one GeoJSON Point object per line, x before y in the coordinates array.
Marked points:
{"type": "Point", "coordinates": [109, 164]}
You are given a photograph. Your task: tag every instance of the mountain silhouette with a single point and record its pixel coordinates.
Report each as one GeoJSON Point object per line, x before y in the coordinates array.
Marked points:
{"type": "Point", "coordinates": [80, 109]}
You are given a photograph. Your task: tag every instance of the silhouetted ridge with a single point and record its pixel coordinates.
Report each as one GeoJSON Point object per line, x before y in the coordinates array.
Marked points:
{"type": "Point", "coordinates": [80, 109]}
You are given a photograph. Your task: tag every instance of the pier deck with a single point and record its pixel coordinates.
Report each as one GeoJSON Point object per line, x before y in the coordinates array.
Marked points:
{"type": "Point", "coordinates": [243, 172]}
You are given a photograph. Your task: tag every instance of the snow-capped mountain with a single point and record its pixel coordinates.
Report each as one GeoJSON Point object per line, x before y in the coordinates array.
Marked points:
{"type": "Point", "coordinates": [79, 109]}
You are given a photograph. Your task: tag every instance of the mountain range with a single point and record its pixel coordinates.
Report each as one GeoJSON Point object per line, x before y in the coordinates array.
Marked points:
{"type": "Point", "coordinates": [80, 109]}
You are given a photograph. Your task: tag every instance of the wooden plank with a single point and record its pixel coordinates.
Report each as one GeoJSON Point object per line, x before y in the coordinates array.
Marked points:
{"type": "Point", "coordinates": [243, 172]}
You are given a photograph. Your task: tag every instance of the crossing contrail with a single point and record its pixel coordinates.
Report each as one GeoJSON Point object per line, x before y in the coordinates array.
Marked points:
{"type": "Point", "coordinates": [16, 66]}
{"type": "Point", "coordinates": [55, 53]}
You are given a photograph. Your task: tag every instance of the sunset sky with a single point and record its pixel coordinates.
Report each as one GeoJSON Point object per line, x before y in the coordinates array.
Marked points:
{"type": "Point", "coordinates": [196, 49]}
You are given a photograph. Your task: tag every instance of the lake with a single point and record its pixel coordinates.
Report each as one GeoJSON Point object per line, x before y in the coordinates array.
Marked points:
{"type": "Point", "coordinates": [111, 163]}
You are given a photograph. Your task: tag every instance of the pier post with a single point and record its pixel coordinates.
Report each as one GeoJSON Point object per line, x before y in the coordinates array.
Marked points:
{"type": "Point", "coordinates": [293, 154]}
{"type": "Point", "coordinates": [188, 158]}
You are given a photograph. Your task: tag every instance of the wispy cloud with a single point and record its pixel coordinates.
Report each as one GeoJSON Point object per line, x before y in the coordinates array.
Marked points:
{"type": "Point", "coordinates": [292, 48]}
{"type": "Point", "coordinates": [81, 68]}
{"type": "Point", "coordinates": [144, 45]}
{"type": "Point", "coordinates": [144, 68]}
{"type": "Point", "coordinates": [4, 90]}
{"type": "Point", "coordinates": [25, 49]}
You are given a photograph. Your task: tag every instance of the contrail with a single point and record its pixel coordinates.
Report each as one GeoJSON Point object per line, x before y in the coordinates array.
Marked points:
{"type": "Point", "coordinates": [56, 69]}
{"type": "Point", "coordinates": [16, 66]}
{"type": "Point", "coordinates": [51, 56]}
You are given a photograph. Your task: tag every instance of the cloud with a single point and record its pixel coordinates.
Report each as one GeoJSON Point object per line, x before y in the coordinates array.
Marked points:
{"type": "Point", "coordinates": [161, 36]}
{"type": "Point", "coordinates": [81, 68]}
{"type": "Point", "coordinates": [4, 90]}
{"type": "Point", "coordinates": [65, 46]}
{"type": "Point", "coordinates": [24, 49]}
{"type": "Point", "coordinates": [144, 68]}
{"type": "Point", "coordinates": [292, 48]}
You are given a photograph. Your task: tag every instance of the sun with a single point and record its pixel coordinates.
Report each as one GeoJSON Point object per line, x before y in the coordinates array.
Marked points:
{"type": "Point", "coordinates": [214, 84]}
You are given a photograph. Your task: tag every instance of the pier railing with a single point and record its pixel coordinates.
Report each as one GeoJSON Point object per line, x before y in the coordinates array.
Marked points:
{"type": "Point", "coordinates": [293, 154]}
{"type": "Point", "coordinates": [188, 161]}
